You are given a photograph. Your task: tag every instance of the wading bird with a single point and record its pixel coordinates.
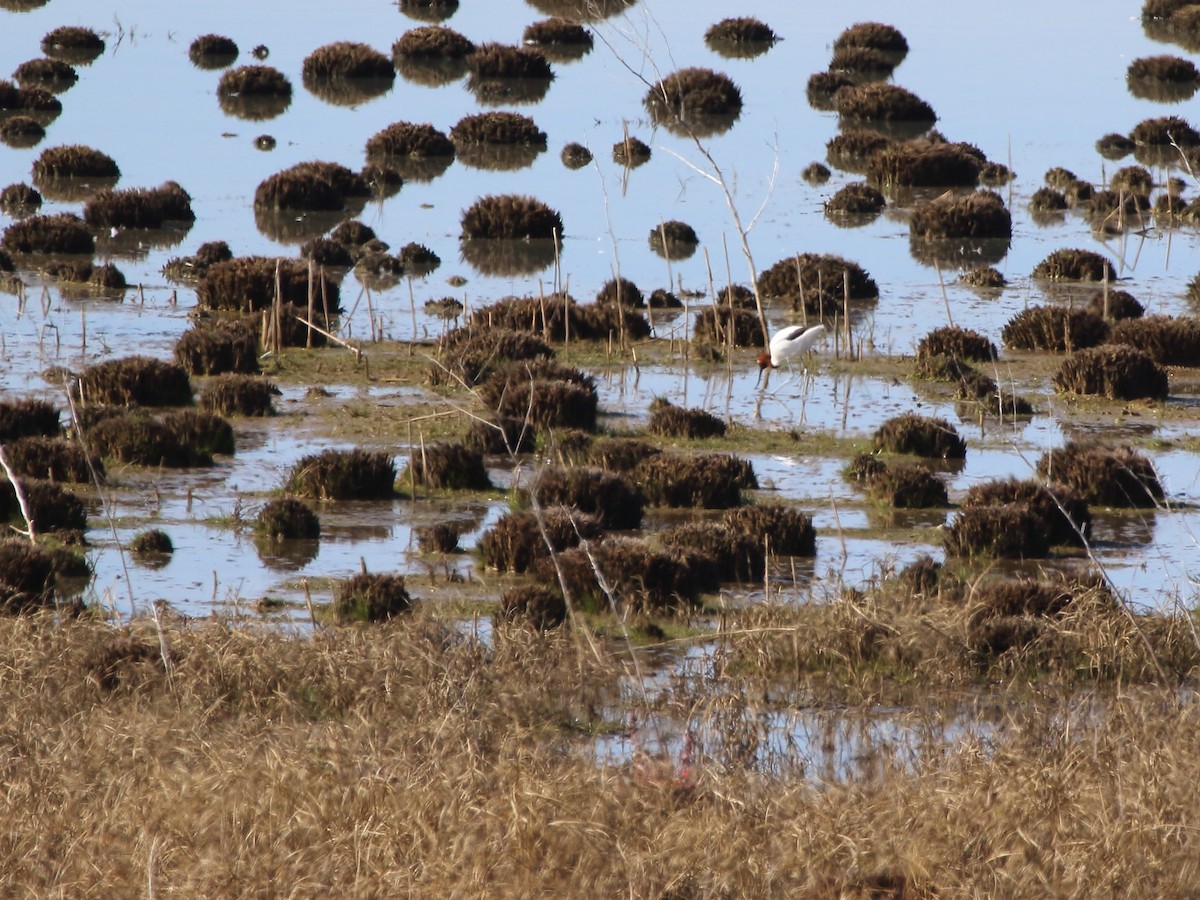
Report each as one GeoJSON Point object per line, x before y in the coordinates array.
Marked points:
{"type": "Point", "coordinates": [789, 344]}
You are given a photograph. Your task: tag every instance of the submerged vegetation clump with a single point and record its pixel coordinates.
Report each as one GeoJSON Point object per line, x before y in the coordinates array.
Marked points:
{"type": "Point", "coordinates": [631, 152]}
{"type": "Point", "coordinates": [979, 215]}
{"type": "Point", "coordinates": [73, 44]}
{"type": "Point", "coordinates": [511, 216]}
{"type": "Point", "coordinates": [212, 51]}
{"type": "Point", "coordinates": [920, 435]}
{"type": "Point", "coordinates": [670, 420]}
{"type": "Point", "coordinates": [286, 518]}
{"type": "Point", "coordinates": [311, 186]}
{"type": "Point", "coordinates": [855, 149]}
{"type": "Point", "coordinates": [248, 284]}
{"type": "Point", "coordinates": [1105, 476]}
{"type": "Point", "coordinates": [1057, 329]}
{"type": "Point", "coordinates": [370, 597]}
{"type": "Point", "coordinates": [958, 343]}
{"type": "Point", "coordinates": [879, 102]}
{"type": "Point", "coordinates": [217, 346]}
{"type": "Point", "coordinates": [517, 541]}
{"type": "Point", "coordinates": [239, 395]}
{"type": "Point", "coordinates": [874, 35]}
{"type": "Point", "coordinates": [447, 466]}
{"type": "Point", "coordinates": [1116, 371]}
{"type": "Point", "coordinates": [139, 207]}
{"type": "Point", "coordinates": [73, 161]}
{"type": "Point", "coordinates": [343, 475]}
{"type": "Point", "coordinates": [61, 233]}
{"type": "Point", "coordinates": [817, 282]}
{"type": "Point", "coordinates": [558, 39]}
{"type": "Point", "coordinates": [745, 33]}
{"type": "Point", "coordinates": [907, 487]}
{"type": "Point", "coordinates": [1062, 510]}
{"type": "Point", "coordinates": [855, 199]}
{"type": "Point", "coordinates": [575, 155]}
{"type": "Point", "coordinates": [135, 381]}
{"type": "Point", "coordinates": [674, 240]}
{"type": "Point", "coordinates": [614, 499]}
{"type": "Point", "coordinates": [923, 164]}
{"type": "Point", "coordinates": [695, 101]}
{"type": "Point", "coordinates": [254, 92]}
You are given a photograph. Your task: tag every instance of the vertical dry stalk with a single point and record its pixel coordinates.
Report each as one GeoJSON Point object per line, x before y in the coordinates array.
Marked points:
{"type": "Point", "coordinates": [19, 490]}
{"type": "Point", "coordinates": [311, 301]}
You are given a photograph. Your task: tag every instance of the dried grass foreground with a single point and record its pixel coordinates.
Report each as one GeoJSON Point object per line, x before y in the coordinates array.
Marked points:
{"type": "Point", "coordinates": [412, 759]}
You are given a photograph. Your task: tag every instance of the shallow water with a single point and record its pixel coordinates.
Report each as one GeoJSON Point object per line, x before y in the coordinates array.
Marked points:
{"type": "Point", "coordinates": [1029, 97]}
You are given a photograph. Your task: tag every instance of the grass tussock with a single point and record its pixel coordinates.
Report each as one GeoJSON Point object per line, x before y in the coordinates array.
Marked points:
{"type": "Point", "coordinates": [1115, 371]}
{"type": "Point", "coordinates": [516, 542]}
{"type": "Point", "coordinates": [921, 436]}
{"type": "Point", "coordinates": [286, 518]}
{"type": "Point", "coordinates": [54, 459]}
{"type": "Point", "coordinates": [135, 381]}
{"type": "Point", "coordinates": [250, 284]}
{"type": "Point", "coordinates": [218, 346]}
{"type": "Point", "coordinates": [1057, 329]}
{"type": "Point", "coordinates": [894, 165]}
{"type": "Point", "coordinates": [703, 481]}
{"type": "Point", "coordinates": [616, 500]}
{"type": "Point", "coordinates": [1104, 476]}
{"type": "Point", "coordinates": [979, 215]}
{"type": "Point", "coordinates": [447, 466]}
{"type": "Point", "coordinates": [1168, 340]}
{"type": "Point", "coordinates": [343, 475]}
{"type": "Point", "coordinates": [817, 282]}
{"type": "Point", "coordinates": [60, 233]}
{"type": "Point", "coordinates": [736, 327]}
{"type": "Point", "coordinates": [670, 420]}
{"type": "Point", "coordinates": [632, 576]}
{"type": "Point", "coordinates": [957, 343]}
{"type": "Point", "coordinates": [370, 597]}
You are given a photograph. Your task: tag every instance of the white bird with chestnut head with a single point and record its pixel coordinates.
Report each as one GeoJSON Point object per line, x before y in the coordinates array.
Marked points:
{"type": "Point", "coordinates": [789, 344]}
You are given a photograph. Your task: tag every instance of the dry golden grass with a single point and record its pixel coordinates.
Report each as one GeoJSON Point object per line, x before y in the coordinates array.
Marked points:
{"type": "Point", "coordinates": [407, 759]}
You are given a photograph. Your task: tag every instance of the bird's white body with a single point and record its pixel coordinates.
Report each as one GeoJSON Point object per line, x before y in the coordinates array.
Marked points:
{"type": "Point", "coordinates": [794, 342]}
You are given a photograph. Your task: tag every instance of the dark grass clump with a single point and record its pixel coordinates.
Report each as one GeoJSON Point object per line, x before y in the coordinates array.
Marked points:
{"type": "Point", "coordinates": [28, 418]}
{"type": "Point", "coordinates": [979, 215]}
{"type": "Point", "coordinates": [558, 39]}
{"type": "Point", "coordinates": [352, 233]}
{"type": "Point", "coordinates": [1105, 476]}
{"type": "Point", "coordinates": [418, 152]}
{"type": "Point", "coordinates": [1063, 511]}
{"type": "Point", "coordinates": [694, 101]}
{"type": "Point", "coordinates": [722, 325]}
{"type": "Point", "coordinates": [1114, 146]}
{"type": "Point", "coordinates": [783, 530]}
{"type": "Point", "coordinates": [924, 164]}
{"type": "Point", "coordinates": [822, 87]}
{"type": "Point", "coordinates": [103, 278]}
{"type": "Point", "coordinates": [418, 260]}
{"type": "Point", "coordinates": [1132, 180]}
{"type": "Point", "coordinates": [862, 63]}
{"type": "Point", "coordinates": [544, 393]}
{"type": "Point", "coordinates": [1005, 531]}
{"type": "Point", "coordinates": [1112, 212]}
{"type": "Point", "coordinates": [816, 282]}
{"type": "Point", "coordinates": [532, 604]}
{"type": "Point", "coordinates": [703, 481]}
{"type": "Point", "coordinates": [326, 252]}
{"type": "Point", "coordinates": [288, 519]}
{"type": "Point", "coordinates": [1162, 78]}
{"type": "Point", "coordinates": [670, 420]}
{"type": "Point", "coordinates": [239, 395]}
{"type": "Point", "coordinates": [1158, 141]}
{"type": "Point", "coordinates": [734, 555]}
{"type": "Point", "coordinates": [432, 42]}
{"type": "Point", "coordinates": [52, 507]}
{"type": "Point", "coordinates": [740, 37]}
{"type": "Point", "coordinates": [429, 10]}
{"type": "Point", "coordinates": [875, 35]}
{"type": "Point", "coordinates": [674, 240]}
{"type": "Point", "coordinates": [135, 381]}
{"type": "Point", "coordinates": [61, 233]}
{"type": "Point", "coordinates": [254, 93]}
{"type": "Point", "coordinates": [958, 343]}
{"type": "Point", "coordinates": [1115, 306]}
{"type": "Point", "coordinates": [493, 60]}
{"type": "Point", "coordinates": [643, 579]}
{"type": "Point", "coordinates": [189, 269]}
{"type": "Point", "coordinates": [212, 51]}
{"type": "Point", "coordinates": [501, 435]}
{"type": "Point", "coordinates": [136, 439]}
{"type": "Point", "coordinates": [515, 543]}
{"type": "Point", "coordinates": [501, 141]}
{"type": "Point", "coordinates": [73, 44]}
{"type": "Point", "coordinates": [205, 433]}
{"type": "Point", "coordinates": [447, 466]}
{"type": "Point", "coordinates": [576, 156]}
{"type": "Point", "coordinates": [151, 542]}
{"type": "Point", "coordinates": [441, 537]}
{"type": "Point", "coordinates": [469, 355]}
{"type": "Point", "coordinates": [52, 458]}
{"type": "Point", "coordinates": [73, 161]}
{"type": "Point", "coordinates": [620, 454]}
{"type": "Point", "coordinates": [346, 61]}
{"type": "Point", "coordinates": [622, 291]}
{"type": "Point", "coordinates": [1116, 371]}
{"type": "Point", "coordinates": [1003, 597]}
{"type": "Point", "coordinates": [311, 186]}
{"type": "Point", "coordinates": [857, 199]}
{"type": "Point", "coordinates": [1168, 340]}
{"type": "Point", "coordinates": [908, 487]}
{"type": "Point", "coordinates": [217, 346]}
{"type": "Point", "coordinates": [983, 277]}
{"type": "Point", "coordinates": [852, 149]}
{"type": "Point", "coordinates": [815, 173]}
{"type": "Point", "coordinates": [139, 207]}
{"type": "Point", "coordinates": [663, 299]}
{"type": "Point", "coordinates": [369, 597]}
{"type": "Point", "coordinates": [511, 216]}
{"type": "Point", "coordinates": [883, 103]}
{"type": "Point", "coordinates": [613, 498]}
{"type": "Point", "coordinates": [248, 284]}
{"type": "Point", "coordinates": [1054, 328]}
{"type": "Point", "coordinates": [631, 152]}
{"type": "Point", "coordinates": [27, 577]}
{"type": "Point", "coordinates": [1060, 178]}
{"type": "Point", "coordinates": [52, 74]}
{"type": "Point", "coordinates": [343, 475]}
{"type": "Point", "coordinates": [21, 131]}
{"type": "Point", "coordinates": [920, 435]}
{"type": "Point", "coordinates": [1046, 200]}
